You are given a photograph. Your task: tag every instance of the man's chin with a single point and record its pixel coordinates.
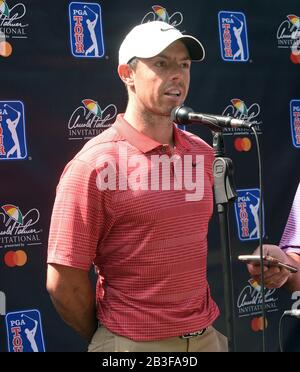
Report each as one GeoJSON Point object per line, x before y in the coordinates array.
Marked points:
{"type": "Point", "coordinates": [169, 111]}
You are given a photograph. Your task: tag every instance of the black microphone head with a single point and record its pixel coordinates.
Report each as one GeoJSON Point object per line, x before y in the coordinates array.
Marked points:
{"type": "Point", "coordinates": [180, 114]}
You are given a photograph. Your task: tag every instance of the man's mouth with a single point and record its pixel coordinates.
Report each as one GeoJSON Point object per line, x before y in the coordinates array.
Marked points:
{"type": "Point", "coordinates": [173, 93]}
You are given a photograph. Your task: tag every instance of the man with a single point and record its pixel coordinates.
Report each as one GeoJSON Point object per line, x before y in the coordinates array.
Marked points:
{"type": "Point", "coordinates": [288, 252]}
{"type": "Point", "coordinates": [114, 209]}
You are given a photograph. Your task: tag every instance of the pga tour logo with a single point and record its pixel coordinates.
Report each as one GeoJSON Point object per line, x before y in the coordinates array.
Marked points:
{"type": "Point", "coordinates": [86, 30]}
{"type": "Point", "coordinates": [12, 131]}
{"type": "Point", "coordinates": [233, 36]}
{"type": "Point", "coordinates": [295, 122]}
{"type": "Point", "coordinates": [24, 332]}
{"type": "Point", "coordinates": [247, 214]}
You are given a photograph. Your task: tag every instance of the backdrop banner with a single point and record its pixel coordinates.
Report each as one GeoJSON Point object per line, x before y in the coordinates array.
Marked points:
{"type": "Point", "coordinates": [60, 88]}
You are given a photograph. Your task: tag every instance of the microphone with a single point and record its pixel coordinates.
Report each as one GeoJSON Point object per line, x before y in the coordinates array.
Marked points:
{"type": "Point", "coordinates": [186, 115]}
{"type": "Point", "coordinates": [295, 313]}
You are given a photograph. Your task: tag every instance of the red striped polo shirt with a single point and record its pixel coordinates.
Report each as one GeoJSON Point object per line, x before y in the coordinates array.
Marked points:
{"type": "Point", "coordinates": [147, 238]}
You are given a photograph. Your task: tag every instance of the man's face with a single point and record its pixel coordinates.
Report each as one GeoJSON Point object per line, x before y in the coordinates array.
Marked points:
{"type": "Point", "coordinates": [162, 82]}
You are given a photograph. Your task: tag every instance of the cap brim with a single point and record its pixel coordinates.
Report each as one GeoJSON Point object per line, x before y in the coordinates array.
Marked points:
{"type": "Point", "coordinates": [195, 48]}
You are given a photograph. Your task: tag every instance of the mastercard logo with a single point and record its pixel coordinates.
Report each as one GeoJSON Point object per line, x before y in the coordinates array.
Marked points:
{"type": "Point", "coordinates": [257, 324]}
{"type": "Point", "coordinates": [5, 49]}
{"type": "Point", "coordinates": [242, 144]}
{"type": "Point", "coordinates": [295, 58]}
{"type": "Point", "coordinates": [15, 258]}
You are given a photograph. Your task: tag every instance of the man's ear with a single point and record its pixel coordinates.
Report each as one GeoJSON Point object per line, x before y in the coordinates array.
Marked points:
{"type": "Point", "coordinates": [126, 74]}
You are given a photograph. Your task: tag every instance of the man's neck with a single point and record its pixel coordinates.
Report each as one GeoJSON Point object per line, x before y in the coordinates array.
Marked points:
{"type": "Point", "coordinates": [157, 127]}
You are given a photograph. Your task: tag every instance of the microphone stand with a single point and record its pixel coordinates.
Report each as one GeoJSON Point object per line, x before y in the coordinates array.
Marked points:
{"type": "Point", "coordinates": [225, 194]}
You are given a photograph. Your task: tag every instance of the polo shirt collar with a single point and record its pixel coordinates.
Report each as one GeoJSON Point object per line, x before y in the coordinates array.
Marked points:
{"type": "Point", "coordinates": [141, 141]}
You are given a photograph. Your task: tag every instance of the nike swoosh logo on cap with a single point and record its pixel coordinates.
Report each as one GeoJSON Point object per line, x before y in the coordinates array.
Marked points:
{"type": "Point", "coordinates": [167, 29]}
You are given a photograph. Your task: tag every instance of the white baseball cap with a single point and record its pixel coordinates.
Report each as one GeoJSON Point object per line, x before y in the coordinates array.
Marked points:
{"type": "Point", "coordinates": [149, 39]}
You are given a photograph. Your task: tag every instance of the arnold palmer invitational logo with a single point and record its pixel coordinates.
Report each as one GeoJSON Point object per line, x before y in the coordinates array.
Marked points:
{"type": "Point", "coordinates": [89, 119]}
{"type": "Point", "coordinates": [11, 25]}
{"type": "Point", "coordinates": [249, 301]}
{"type": "Point", "coordinates": [239, 110]}
{"type": "Point", "coordinates": [19, 228]}
{"type": "Point", "coordinates": [288, 36]}
{"type": "Point", "coordinates": [159, 13]}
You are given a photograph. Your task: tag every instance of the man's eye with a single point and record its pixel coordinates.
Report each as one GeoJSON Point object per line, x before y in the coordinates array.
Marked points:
{"type": "Point", "coordinates": [160, 63]}
{"type": "Point", "coordinates": [185, 65]}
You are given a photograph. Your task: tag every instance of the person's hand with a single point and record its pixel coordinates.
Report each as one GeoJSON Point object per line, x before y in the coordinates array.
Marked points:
{"type": "Point", "coordinates": [275, 277]}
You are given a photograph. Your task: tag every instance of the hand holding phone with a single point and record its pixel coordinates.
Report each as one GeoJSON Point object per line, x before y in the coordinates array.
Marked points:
{"type": "Point", "coordinates": [268, 261]}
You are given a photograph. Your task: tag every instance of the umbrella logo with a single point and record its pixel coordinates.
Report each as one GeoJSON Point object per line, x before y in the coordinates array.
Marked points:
{"type": "Point", "coordinates": [13, 213]}
{"type": "Point", "coordinates": [295, 21]}
{"type": "Point", "coordinates": [240, 106]}
{"type": "Point", "coordinates": [254, 284]}
{"type": "Point", "coordinates": [160, 13]}
{"type": "Point", "coordinates": [4, 10]}
{"type": "Point", "coordinates": [93, 108]}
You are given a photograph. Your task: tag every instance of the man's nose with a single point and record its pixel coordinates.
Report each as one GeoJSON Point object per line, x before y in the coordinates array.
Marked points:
{"type": "Point", "coordinates": [176, 71]}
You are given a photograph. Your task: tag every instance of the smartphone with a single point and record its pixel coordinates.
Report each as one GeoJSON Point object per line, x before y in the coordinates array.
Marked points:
{"type": "Point", "coordinates": [268, 261]}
